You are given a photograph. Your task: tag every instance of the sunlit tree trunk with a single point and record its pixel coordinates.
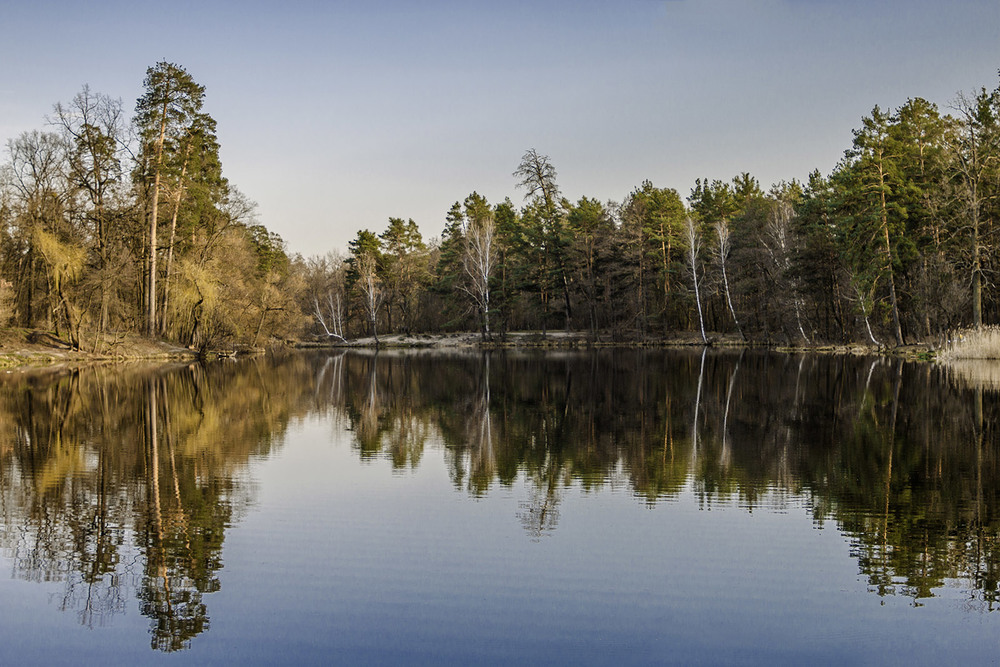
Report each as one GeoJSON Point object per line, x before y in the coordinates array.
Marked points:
{"type": "Point", "coordinates": [172, 100]}
{"type": "Point", "coordinates": [178, 195]}
{"type": "Point", "coordinates": [153, 217]}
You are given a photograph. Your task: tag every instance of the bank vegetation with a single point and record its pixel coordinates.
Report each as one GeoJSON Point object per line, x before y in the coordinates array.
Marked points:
{"type": "Point", "coordinates": [119, 222]}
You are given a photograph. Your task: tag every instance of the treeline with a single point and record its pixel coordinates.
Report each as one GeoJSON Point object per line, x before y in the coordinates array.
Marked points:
{"type": "Point", "coordinates": [112, 226]}
{"type": "Point", "coordinates": [898, 244]}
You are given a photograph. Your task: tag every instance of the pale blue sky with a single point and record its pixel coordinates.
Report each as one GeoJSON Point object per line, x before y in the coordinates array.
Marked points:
{"type": "Point", "coordinates": [334, 116]}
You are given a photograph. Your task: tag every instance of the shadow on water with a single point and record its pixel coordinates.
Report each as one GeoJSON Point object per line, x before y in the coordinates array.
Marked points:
{"type": "Point", "coordinates": [121, 483]}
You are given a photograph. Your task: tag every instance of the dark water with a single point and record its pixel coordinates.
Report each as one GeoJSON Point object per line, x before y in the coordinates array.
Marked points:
{"type": "Point", "coordinates": [567, 508]}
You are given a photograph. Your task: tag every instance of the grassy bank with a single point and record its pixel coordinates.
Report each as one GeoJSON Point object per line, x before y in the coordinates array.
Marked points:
{"type": "Point", "coordinates": [33, 347]}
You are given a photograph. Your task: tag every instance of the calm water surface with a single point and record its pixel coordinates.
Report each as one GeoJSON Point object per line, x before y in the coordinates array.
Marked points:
{"type": "Point", "coordinates": [562, 508]}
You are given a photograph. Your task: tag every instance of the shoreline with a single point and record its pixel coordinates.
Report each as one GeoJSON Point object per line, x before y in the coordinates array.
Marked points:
{"type": "Point", "coordinates": [581, 340]}
{"type": "Point", "coordinates": [32, 348]}
{"type": "Point", "coordinates": [23, 348]}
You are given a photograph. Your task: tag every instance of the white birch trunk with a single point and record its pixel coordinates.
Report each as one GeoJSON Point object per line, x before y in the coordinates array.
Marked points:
{"type": "Point", "coordinates": [694, 246]}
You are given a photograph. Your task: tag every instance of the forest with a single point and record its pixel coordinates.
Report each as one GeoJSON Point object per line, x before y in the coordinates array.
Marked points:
{"type": "Point", "coordinates": [118, 222]}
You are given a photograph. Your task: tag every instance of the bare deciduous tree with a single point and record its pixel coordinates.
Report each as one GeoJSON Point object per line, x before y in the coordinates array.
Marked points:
{"type": "Point", "coordinates": [335, 314]}
{"type": "Point", "coordinates": [536, 174]}
{"type": "Point", "coordinates": [975, 146]}
{"type": "Point", "coordinates": [370, 285]}
{"type": "Point", "coordinates": [724, 247]}
{"type": "Point", "coordinates": [778, 246]}
{"type": "Point", "coordinates": [694, 249]}
{"type": "Point", "coordinates": [94, 128]}
{"type": "Point", "coordinates": [477, 260]}
{"type": "Point", "coordinates": [37, 176]}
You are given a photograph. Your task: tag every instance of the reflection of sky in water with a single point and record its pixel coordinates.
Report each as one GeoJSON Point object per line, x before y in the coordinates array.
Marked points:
{"type": "Point", "coordinates": [407, 568]}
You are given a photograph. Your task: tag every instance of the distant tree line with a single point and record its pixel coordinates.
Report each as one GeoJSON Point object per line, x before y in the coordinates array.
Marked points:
{"type": "Point", "coordinates": [113, 225]}
{"type": "Point", "coordinates": [898, 244]}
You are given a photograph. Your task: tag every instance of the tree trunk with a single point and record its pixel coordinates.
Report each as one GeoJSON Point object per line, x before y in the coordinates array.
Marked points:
{"type": "Point", "coordinates": [729, 300]}
{"type": "Point", "coordinates": [153, 218]}
{"type": "Point", "coordinates": [897, 329]}
{"type": "Point", "coordinates": [977, 273]}
{"type": "Point", "coordinates": [173, 237]}
{"type": "Point", "coordinates": [694, 241]}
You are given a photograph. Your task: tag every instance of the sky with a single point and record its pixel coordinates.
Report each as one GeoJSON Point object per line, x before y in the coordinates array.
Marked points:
{"type": "Point", "coordinates": [335, 116]}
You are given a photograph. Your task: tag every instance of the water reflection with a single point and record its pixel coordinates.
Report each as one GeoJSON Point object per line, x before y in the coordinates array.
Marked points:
{"type": "Point", "coordinates": [122, 483]}
{"type": "Point", "coordinates": [901, 456]}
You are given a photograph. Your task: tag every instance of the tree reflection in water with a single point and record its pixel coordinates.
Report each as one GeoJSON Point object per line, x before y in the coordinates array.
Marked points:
{"type": "Point", "coordinates": [121, 483]}
{"type": "Point", "coordinates": [902, 456]}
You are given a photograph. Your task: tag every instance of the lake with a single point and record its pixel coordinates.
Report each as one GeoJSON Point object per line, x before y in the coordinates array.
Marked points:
{"type": "Point", "coordinates": [570, 507]}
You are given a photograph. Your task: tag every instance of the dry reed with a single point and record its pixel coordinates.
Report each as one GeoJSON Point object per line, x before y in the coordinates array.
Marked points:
{"type": "Point", "coordinates": [981, 343]}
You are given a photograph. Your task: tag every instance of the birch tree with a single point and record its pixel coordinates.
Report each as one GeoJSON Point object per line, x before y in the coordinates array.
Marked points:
{"type": "Point", "coordinates": [479, 256]}
{"type": "Point", "coordinates": [334, 314]}
{"type": "Point", "coordinates": [324, 291]}
{"type": "Point", "coordinates": [694, 241]}
{"type": "Point", "coordinates": [365, 276]}
{"type": "Point", "coordinates": [370, 285]}
{"type": "Point", "coordinates": [722, 249]}
{"type": "Point", "coordinates": [778, 244]}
